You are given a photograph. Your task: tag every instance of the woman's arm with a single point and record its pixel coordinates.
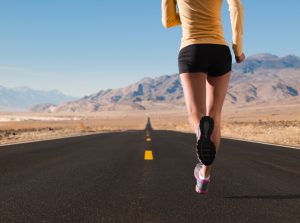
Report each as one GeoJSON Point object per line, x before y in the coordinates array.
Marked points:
{"type": "Point", "coordinates": [170, 17]}
{"type": "Point", "coordinates": [236, 18]}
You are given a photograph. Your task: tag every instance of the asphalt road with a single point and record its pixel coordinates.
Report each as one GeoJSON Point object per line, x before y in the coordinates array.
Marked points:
{"type": "Point", "coordinates": [104, 178]}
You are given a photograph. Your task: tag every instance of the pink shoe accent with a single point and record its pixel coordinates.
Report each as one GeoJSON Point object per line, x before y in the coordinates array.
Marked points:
{"type": "Point", "coordinates": [202, 184]}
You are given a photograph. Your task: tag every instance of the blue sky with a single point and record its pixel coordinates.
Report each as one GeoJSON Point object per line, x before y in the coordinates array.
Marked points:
{"type": "Point", "coordinates": [82, 46]}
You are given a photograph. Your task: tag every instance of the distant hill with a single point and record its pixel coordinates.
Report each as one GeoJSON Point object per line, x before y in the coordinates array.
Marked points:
{"type": "Point", "coordinates": [266, 61]}
{"type": "Point", "coordinates": [261, 79]}
{"type": "Point", "coordinates": [22, 98]}
{"type": "Point", "coordinates": [148, 93]}
{"type": "Point", "coordinates": [265, 79]}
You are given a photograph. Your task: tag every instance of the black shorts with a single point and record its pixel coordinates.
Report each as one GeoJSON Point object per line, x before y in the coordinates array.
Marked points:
{"type": "Point", "coordinates": [213, 59]}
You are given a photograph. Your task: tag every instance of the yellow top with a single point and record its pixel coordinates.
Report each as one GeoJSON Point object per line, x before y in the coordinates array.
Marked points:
{"type": "Point", "coordinates": [201, 21]}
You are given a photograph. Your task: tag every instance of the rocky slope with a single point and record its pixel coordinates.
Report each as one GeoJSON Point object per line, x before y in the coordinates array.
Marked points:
{"type": "Point", "coordinates": [261, 79]}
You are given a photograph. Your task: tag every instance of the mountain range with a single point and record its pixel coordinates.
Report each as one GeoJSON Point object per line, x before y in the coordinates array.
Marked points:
{"type": "Point", "coordinates": [261, 79]}
{"type": "Point", "coordinates": [23, 98]}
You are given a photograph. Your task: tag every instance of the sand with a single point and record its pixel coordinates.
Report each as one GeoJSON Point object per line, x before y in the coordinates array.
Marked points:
{"type": "Point", "coordinates": [273, 124]}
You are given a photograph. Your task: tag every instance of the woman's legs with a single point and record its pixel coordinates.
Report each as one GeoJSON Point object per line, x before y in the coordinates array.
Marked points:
{"type": "Point", "coordinates": [204, 95]}
{"type": "Point", "coordinates": [194, 85]}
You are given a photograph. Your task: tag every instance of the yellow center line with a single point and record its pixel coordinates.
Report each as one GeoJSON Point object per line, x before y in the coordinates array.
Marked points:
{"type": "Point", "coordinates": [148, 139]}
{"type": "Point", "coordinates": [148, 155]}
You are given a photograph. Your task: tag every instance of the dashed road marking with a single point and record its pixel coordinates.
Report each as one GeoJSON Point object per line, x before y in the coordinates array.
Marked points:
{"type": "Point", "coordinates": [148, 139]}
{"type": "Point", "coordinates": [148, 155]}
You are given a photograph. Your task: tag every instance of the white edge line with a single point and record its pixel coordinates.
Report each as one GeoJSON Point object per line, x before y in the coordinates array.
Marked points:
{"type": "Point", "coordinates": [259, 142]}
{"type": "Point", "coordinates": [95, 133]}
{"type": "Point", "coordinates": [246, 140]}
{"type": "Point", "coordinates": [64, 137]}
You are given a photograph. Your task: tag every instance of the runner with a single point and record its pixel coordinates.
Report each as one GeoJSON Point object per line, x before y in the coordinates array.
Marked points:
{"type": "Point", "coordinates": [204, 62]}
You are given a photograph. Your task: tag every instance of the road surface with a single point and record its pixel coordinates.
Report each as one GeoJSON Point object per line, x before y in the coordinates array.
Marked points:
{"type": "Point", "coordinates": [105, 178]}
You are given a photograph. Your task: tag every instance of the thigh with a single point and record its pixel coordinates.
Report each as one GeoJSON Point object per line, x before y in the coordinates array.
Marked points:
{"type": "Point", "coordinates": [216, 90]}
{"type": "Point", "coordinates": [194, 87]}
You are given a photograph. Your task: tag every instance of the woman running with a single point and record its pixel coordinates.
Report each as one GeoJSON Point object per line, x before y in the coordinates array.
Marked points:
{"type": "Point", "coordinates": [204, 63]}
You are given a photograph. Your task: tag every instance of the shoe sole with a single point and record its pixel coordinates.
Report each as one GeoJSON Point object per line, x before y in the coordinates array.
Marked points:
{"type": "Point", "coordinates": [206, 149]}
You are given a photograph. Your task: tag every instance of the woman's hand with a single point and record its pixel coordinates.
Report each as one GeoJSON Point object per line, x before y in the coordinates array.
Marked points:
{"type": "Point", "coordinates": [240, 59]}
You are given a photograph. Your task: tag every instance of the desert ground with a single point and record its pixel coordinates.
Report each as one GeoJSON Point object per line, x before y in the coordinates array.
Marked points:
{"type": "Point", "coordinates": [272, 124]}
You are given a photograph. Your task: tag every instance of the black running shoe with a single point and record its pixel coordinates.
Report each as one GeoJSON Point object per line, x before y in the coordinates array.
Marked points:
{"type": "Point", "coordinates": [206, 149]}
